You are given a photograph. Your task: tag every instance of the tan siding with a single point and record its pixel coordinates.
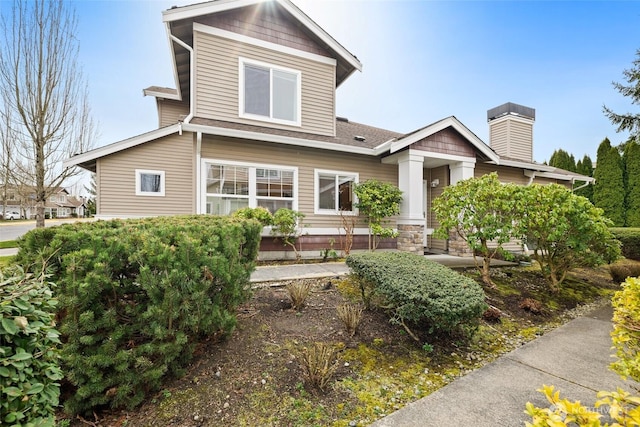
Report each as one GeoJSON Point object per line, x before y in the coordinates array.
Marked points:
{"type": "Point", "coordinates": [217, 73]}
{"type": "Point", "coordinates": [116, 179]}
{"type": "Point", "coordinates": [307, 160]}
{"type": "Point", "coordinates": [505, 174]}
{"type": "Point", "coordinates": [170, 112]}
{"type": "Point", "coordinates": [512, 138]}
{"type": "Point", "coordinates": [442, 174]}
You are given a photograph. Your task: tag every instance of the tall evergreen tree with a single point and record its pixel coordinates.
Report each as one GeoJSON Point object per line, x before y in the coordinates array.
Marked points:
{"type": "Point", "coordinates": [629, 121]}
{"type": "Point", "coordinates": [563, 160]}
{"type": "Point", "coordinates": [585, 167]}
{"type": "Point", "coordinates": [608, 193]}
{"type": "Point", "coordinates": [632, 163]}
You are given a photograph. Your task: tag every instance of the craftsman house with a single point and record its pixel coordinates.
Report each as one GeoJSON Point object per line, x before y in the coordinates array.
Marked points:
{"type": "Point", "coordinates": [251, 122]}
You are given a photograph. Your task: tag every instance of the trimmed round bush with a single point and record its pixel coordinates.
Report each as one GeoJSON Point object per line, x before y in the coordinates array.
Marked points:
{"type": "Point", "coordinates": [421, 292]}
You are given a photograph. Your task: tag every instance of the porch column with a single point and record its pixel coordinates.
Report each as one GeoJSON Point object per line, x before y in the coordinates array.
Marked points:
{"type": "Point", "coordinates": [411, 219]}
{"type": "Point", "coordinates": [459, 171]}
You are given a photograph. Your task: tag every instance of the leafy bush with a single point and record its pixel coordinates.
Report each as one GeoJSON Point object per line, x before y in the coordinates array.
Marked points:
{"type": "Point", "coordinates": [29, 368]}
{"type": "Point", "coordinates": [420, 292]}
{"type": "Point", "coordinates": [287, 224]}
{"type": "Point", "coordinates": [135, 297]}
{"type": "Point", "coordinates": [626, 329]}
{"type": "Point", "coordinates": [565, 231]}
{"type": "Point", "coordinates": [630, 239]}
{"type": "Point", "coordinates": [260, 214]}
{"type": "Point", "coordinates": [378, 201]}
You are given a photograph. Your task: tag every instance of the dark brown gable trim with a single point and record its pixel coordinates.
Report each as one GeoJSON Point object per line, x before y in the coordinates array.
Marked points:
{"type": "Point", "coordinates": [446, 141]}
{"type": "Point", "coordinates": [264, 22]}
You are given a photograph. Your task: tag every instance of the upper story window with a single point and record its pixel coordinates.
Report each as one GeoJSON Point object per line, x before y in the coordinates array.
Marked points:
{"type": "Point", "coordinates": [149, 183]}
{"type": "Point", "coordinates": [334, 192]}
{"type": "Point", "coordinates": [269, 93]}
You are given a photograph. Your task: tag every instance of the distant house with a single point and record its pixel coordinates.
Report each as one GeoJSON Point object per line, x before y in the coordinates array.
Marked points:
{"type": "Point", "coordinates": [60, 204]}
{"type": "Point", "coordinates": [251, 122]}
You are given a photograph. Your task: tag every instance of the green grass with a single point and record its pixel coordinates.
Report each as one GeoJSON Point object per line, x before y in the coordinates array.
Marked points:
{"type": "Point", "coordinates": [5, 261]}
{"type": "Point", "coordinates": [8, 244]}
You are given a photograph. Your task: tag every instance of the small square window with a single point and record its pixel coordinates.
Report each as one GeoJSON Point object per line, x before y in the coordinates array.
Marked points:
{"type": "Point", "coordinates": [334, 192]}
{"type": "Point", "coordinates": [149, 183]}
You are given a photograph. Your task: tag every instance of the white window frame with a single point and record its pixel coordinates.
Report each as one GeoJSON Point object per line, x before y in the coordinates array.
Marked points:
{"type": "Point", "coordinates": [139, 191]}
{"type": "Point", "coordinates": [316, 192]}
{"type": "Point", "coordinates": [241, 92]}
{"type": "Point", "coordinates": [253, 196]}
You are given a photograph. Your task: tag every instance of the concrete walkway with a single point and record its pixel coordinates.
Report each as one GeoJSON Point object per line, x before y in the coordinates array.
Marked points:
{"type": "Point", "coordinates": [574, 358]}
{"type": "Point", "coordinates": [273, 273]}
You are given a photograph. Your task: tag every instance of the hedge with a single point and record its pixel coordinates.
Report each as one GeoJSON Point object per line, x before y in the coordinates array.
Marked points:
{"type": "Point", "coordinates": [420, 292]}
{"type": "Point", "coordinates": [630, 239]}
{"type": "Point", "coordinates": [137, 295]}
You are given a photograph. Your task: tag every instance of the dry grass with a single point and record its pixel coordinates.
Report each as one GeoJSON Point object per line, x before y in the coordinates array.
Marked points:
{"type": "Point", "coordinates": [319, 363]}
{"type": "Point", "coordinates": [350, 314]}
{"type": "Point", "coordinates": [298, 293]}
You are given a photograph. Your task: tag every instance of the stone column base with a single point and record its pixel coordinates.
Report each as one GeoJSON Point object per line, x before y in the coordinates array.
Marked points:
{"type": "Point", "coordinates": [410, 238]}
{"type": "Point", "coordinates": [458, 247]}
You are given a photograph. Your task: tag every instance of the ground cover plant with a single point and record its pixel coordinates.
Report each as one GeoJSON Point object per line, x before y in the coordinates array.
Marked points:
{"type": "Point", "coordinates": [256, 377]}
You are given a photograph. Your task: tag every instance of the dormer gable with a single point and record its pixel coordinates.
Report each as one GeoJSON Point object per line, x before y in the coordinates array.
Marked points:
{"type": "Point", "coordinates": [262, 63]}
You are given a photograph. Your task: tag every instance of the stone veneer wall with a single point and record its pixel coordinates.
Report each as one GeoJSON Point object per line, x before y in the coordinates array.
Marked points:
{"type": "Point", "coordinates": [458, 247]}
{"type": "Point", "coordinates": [410, 238]}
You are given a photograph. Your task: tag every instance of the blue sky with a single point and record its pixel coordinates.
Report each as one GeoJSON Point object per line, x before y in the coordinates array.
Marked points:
{"type": "Point", "coordinates": [422, 61]}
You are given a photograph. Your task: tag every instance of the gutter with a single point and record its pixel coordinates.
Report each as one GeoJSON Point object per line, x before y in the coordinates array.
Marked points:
{"type": "Point", "coordinates": [191, 73]}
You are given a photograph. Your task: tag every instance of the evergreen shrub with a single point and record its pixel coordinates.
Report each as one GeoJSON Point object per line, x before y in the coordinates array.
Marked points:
{"type": "Point", "coordinates": [29, 361]}
{"type": "Point", "coordinates": [630, 239]}
{"type": "Point", "coordinates": [137, 295]}
{"type": "Point", "coordinates": [419, 292]}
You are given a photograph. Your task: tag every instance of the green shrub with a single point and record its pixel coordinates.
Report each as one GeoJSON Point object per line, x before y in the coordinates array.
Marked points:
{"type": "Point", "coordinates": [419, 292]}
{"type": "Point", "coordinates": [626, 329]}
{"type": "Point", "coordinates": [136, 296]}
{"type": "Point", "coordinates": [260, 214]}
{"type": "Point", "coordinates": [287, 226]}
{"type": "Point", "coordinates": [29, 361]}
{"type": "Point", "coordinates": [630, 239]}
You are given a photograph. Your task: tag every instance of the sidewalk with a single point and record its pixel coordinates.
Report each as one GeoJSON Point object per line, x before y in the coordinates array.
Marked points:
{"type": "Point", "coordinates": [574, 358]}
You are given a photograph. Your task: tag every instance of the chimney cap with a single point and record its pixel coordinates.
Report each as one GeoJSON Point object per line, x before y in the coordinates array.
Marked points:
{"type": "Point", "coordinates": [511, 108]}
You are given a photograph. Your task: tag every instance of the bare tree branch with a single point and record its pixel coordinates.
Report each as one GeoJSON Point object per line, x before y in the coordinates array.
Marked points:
{"type": "Point", "coordinates": [45, 95]}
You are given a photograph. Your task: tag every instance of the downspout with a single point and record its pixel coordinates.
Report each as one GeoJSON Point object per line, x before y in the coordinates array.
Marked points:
{"type": "Point", "coordinates": [581, 187]}
{"type": "Point", "coordinates": [531, 178]}
{"type": "Point", "coordinates": [198, 172]}
{"type": "Point", "coordinates": [191, 72]}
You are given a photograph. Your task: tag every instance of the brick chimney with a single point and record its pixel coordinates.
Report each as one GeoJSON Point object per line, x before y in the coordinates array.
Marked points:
{"type": "Point", "coordinates": [511, 131]}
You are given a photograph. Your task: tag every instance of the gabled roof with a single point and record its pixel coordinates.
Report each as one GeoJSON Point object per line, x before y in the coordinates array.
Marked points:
{"type": "Point", "coordinates": [451, 121]}
{"type": "Point", "coordinates": [180, 21]}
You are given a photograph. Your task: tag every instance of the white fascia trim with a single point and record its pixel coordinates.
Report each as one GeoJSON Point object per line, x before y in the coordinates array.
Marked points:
{"type": "Point", "coordinates": [174, 96]}
{"type": "Point", "coordinates": [322, 34]}
{"type": "Point", "coordinates": [385, 146]}
{"type": "Point", "coordinates": [262, 43]}
{"type": "Point", "coordinates": [562, 177]}
{"type": "Point", "coordinates": [396, 158]}
{"type": "Point", "coordinates": [121, 145]}
{"type": "Point", "coordinates": [176, 79]}
{"type": "Point", "coordinates": [441, 125]}
{"type": "Point", "coordinates": [204, 8]}
{"type": "Point", "coordinates": [257, 136]}
{"type": "Point", "coordinates": [223, 5]}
